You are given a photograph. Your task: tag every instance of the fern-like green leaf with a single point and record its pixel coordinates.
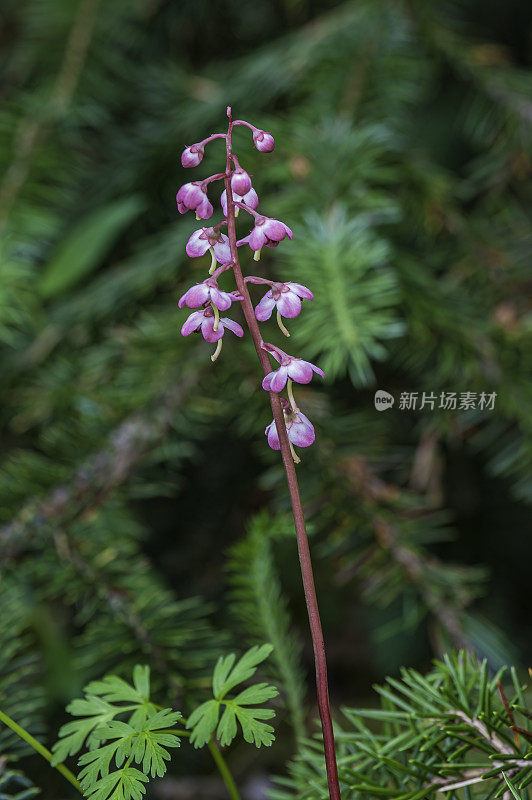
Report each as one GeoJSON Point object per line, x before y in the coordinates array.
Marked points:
{"type": "Point", "coordinates": [125, 784]}
{"type": "Point", "coordinates": [205, 719]}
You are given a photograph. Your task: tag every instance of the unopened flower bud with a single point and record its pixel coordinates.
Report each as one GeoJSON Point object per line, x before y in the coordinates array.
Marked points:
{"type": "Point", "coordinates": [263, 141]}
{"type": "Point", "coordinates": [240, 182]}
{"type": "Point", "coordinates": [192, 155]}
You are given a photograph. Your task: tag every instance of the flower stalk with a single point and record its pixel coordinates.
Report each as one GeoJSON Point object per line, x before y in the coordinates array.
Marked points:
{"type": "Point", "coordinates": [293, 490]}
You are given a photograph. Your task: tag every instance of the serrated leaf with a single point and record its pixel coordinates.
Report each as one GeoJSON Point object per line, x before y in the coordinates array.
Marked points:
{"type": "Point", "coordinates": [258, 693]}
{"type": "Point", "coordinates": [125, 784]}
{"type": "Point", "coordinates": [95, 712]}
{"type": "Point", "coordinates": [252, 728]}
{"type": "Point", "coordinates": [203, 721]}
{"type": "Point", "coordinates": [225, 678]}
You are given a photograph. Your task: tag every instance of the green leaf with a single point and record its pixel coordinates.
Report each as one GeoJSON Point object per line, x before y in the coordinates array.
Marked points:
{"type": "Point", "coordinates": [95, 712]}
{"type": "Point", "coordinates": [253, 729]}
{"type": "Point", "coordinates": [144, 744]}
{"type": "Point", "coordinates": [125, 784]}
{"type": "Point", "coordinates": [203, 721]}
{"type": "Point", "coordinates": [225, 678]}
{"type": "Point", "coordinates": [83, 249]}
{"type": "Point", "coordinates": [227, 674]}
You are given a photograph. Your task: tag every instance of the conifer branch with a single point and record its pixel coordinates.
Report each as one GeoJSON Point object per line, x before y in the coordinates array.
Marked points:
{"type": "Point", "coordinates": [100, 476]}
{"type": "Point", "coordinates": [30, 131]}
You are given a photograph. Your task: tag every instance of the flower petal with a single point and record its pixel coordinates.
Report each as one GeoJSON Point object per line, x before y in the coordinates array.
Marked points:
{"type": "Point", "coordinates": [289, 305]}
{"type": "Point", "coordinates": [195, 296]}
{"type": "Point", "coordinates": [300, 371]}
{"type": "Point", "coordinates": [192, 323]}
{"type": "Point", "coordinates": [233, 326]}
{"type": "Point", "coordinates": [279, 379]}
{"type": "Point", "coordinates": [204, 210]}
{"type": "Point", "coordinates": [245, 240]}
{"type": "Point", "coordinates": [208, 332]}
{"type": "Point", "coordinates": [263, 310]}
{"type": "Point", "coordinates": [223, 202]}
{"type": "Point", "coordinates": [302, 433]}
{"type": "Point", "coordinates": [257, 238]}
{"type": "Point", "coordinates": [273, 438]}
{"type": "Point", "coordinates": [274, 230]}
{"type": "Point", "coordinates": [197, 246]}
{"type": "Point", "coordinates": [222, 251]}
{"type": "Point", "coordinates": [222, 300]}
{"type": "Point", "coordinates": [266, 381]}
{"type": "Point", "coordinates": [251, 199]}
{"type": "Point", "coordinates": [300, 290]}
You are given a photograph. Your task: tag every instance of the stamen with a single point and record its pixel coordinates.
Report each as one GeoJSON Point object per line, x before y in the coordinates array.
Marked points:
{"type": "Point", "coordinates": [295, 456]}
{"type": "Point", "coordinates": [213, 261]}
{"type": "Point", "coordinates": [280, 324]}
{"type": "Point", "coordinates": [218, 351]}
{"type": "Point", "coordinates": [291, 397]}
{"type": "Point", "coordinates": [256, 255]}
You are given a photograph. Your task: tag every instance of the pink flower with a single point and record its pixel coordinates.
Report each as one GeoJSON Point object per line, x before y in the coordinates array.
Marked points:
{"type": "Point", "coordinates": [250, 199]}
{"type": "Point", "coordinates": [299, 428]}
{"type": "Point", "coordinates": [192, 155]}
{"type": "Point", "coordinates": [193, 197]}
{"type": "Point", "coordinates": [205, 321]}
{"type": "Point", "coordinates": [267, 232]}
{"type": "Point", "coordinates": [286, 296]}
{"type": "Point", "coordinates": [263, 141]}
{"type": "Point", "coordinates": [205, 238]}
{"type": "Point", "coordinates": [204, 292]}
{"type": "Point", "coordinates": [296, 369]}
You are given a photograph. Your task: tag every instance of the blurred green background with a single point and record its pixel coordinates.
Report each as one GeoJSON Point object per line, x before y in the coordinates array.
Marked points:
{"type": "Point", "coordinates": [131, 467]}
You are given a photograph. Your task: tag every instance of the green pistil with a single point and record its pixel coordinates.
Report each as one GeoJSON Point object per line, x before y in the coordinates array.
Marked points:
{"type": "Point", "coordinates": [291, 397]}
{"type": "Point", "coordinates": [280, 324]}
{"type": "Point", "coordinates": [216, 317]}
{"type": "Point", "coordinates": [213, 261]}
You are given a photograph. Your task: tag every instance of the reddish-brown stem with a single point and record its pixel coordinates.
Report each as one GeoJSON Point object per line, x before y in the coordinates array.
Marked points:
{"type": "Point", "coordinates": [295, 499]}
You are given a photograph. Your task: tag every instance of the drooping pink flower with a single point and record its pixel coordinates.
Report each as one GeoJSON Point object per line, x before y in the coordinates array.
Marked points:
{"type": "Point", "coordinates": [296, 369]}
{"type": "Point", "coordinates": [192, 155]}
{"type": "Point", "coordinates": [263, 141]}
{"type": "Point", "coordinates": [204, 292]}
{"type": "Point", "coordinates": [286, 297]}
{"type": "Point", "coordinates": [193, 197]}
{"type": "Point", "coordinates": [250, 199]}
{"type": "Point", "coordinates": [205, 238]}
{"type": "Point", "coordinates": [267, 231]}
{"type": "Point", "coordinates": [205, 321]}
{"type": "Point", "coordinates": [299, 428]}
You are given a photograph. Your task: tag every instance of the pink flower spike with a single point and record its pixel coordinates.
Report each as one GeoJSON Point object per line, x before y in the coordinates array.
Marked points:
{"type": "Point", "coordinates": [204, 239]}
{"type": "Point", "coordinates": [263, 141]}
{"type": "Point", "coordinates": [192, 155]}
{"type": "Point", "coordinates": [205, 292]}
{"type": "Point", "coordinates": [193, 197]}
